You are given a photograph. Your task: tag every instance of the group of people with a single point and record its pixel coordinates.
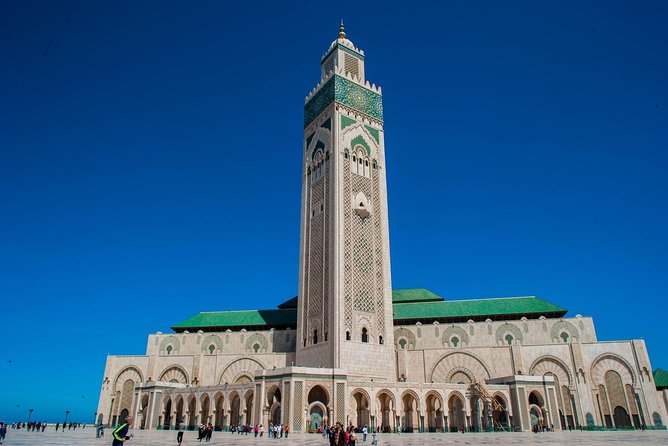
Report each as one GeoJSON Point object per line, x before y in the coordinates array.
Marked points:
{"type": "Point", "coordinates": [340, 436]}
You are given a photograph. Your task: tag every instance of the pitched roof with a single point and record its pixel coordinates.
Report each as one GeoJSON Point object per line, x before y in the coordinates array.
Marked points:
{"type": "Point", "coordinates": [409, 306]}
{"type": "Point", "coordinates": [661, 379]}
{"type": "Point", "coordinates": [249, 319]}
{"type": "Point", "coordinates": [414, 295]}
{"type": "Point", "coordinates": [477, 309]}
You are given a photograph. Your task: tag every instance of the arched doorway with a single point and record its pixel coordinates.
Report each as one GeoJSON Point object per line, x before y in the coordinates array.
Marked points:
{"type": "Point", "coordinates": [180, 416]}
{"type": "Point", "coordinates": [143, 412]}
{"type": "Point", "coordinates": [456, 413]}
{"type": "Point", "coordinates": [219, 400]}
{"type": "Point", "coordinates": [274, 404]}
{"type": "Point", "coordinates": [316, 416]}
{"type": "Point", "coordinates": [205, 409]}
{"type": "Point", "coordinates": [434, 413]}
{"type": "Point", "coordinates": [361, 409]}
{"type": "Point", "coordinates": [319, 395]}
{"type": "Point", "coordinates": [622, 418]}
{"type": "Point", "coordinates": [500, 414]}
{"type": "Point", "coordinates": [250, 418]}
{"type": "Point", "coordinates": [123, 415]}
{"type": "Point", "coordinates": [192, 414]}
{"type": "Point", "coordinates": [235, 408]}
{"type": "Point", "coordinates": [411, 411]}
{"type": "Point", "coordinates": [386, 407]}
{"type": "Point", "coordinates": [167, 414]}
{"type": "Point", "coordinates": [536, 410]}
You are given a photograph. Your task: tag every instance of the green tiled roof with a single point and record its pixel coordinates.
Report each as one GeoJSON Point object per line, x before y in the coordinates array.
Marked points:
{"type": "Point", "coordinates": [661, 379]}
{"type": "Point", "coordinates": [414, 295]}
{"type": "Point", "coordinates": [249, 318]}
{"type": "Point", "coordinates": [409, 306]}
{"type": "Point", "coordinates": [476, 309]}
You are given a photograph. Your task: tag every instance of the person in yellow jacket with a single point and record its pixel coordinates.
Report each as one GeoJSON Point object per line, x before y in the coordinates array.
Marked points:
{"type": "Point", "coordinates": [120, 434]}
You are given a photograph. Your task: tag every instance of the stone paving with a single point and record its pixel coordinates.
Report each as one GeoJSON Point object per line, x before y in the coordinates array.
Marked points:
{"type": "Point", "coordinates": [86, 437]}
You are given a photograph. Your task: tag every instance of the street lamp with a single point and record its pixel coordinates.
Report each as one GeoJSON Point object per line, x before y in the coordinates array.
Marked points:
{"type": "Point", "coordinates": [67, 413]}
{"type": "Point", "coordinates": [30, 414]}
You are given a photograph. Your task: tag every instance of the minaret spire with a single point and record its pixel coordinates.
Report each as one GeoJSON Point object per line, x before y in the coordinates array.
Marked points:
{"type": "Point", "coordinates": [342, 31]}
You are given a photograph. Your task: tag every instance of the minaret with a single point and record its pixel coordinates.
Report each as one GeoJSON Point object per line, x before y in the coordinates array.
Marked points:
{"type": "Point", "coordinates": [345, 297]}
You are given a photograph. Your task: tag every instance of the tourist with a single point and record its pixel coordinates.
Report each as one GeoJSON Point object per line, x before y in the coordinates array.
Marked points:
{"type": "Point", "coordinates": [365, 431]}
{"type": "Point", "coordinates": [179, 434]}
{"type": "Point", "coordinates": [3, 431]}
{"type": "Point", "coordinates": [337, 437]}
{"type": "Point", "coordinates": [352, 438]}
{"type": "Point", "coordinates": [209, 431]}
{"type": "Point", "coordinates": [287, 430]}
{"type": "Point", "coordinates": [120, 434]}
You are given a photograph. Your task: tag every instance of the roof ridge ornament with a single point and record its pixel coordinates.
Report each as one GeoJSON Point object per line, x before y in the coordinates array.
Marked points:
{"type": "Point", "coordinates": [342, 31]}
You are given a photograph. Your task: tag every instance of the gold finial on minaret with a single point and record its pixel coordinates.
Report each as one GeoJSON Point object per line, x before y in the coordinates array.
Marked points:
{"type": "Point", "coordinates": [342, 31]}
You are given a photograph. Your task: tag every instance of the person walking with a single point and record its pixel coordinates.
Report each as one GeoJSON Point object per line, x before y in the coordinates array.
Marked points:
{"type": "Point", "coordinates": [179, 434]}
{"type": "Point", "coordinates": [365, 431]}
{"type": "Point", "coordinates": [120, 434]}
{"type": "Point", "coordinates": [3, 431]}
{"type": "Point", "coordinates": [287, 431]}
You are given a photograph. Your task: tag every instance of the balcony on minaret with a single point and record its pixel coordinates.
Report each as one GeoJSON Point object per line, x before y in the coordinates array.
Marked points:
{"type": "Point", "coordinates": [343, 57]}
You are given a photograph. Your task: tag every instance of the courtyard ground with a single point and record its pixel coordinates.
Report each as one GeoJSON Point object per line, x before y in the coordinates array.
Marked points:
{"type": "Point", "coordinates": [85, 437]}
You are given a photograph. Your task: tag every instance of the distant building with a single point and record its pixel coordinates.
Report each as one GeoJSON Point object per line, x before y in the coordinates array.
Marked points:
{"type": "Point", "coordinates": [350, 349]}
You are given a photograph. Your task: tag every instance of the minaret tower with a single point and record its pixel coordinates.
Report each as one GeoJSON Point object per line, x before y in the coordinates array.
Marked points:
{"type": "Point", "coordinates": [345, 294]}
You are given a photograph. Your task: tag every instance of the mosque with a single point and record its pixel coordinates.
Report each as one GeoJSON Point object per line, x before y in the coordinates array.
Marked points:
{"type": "Point", "coordinates": [351, 349]}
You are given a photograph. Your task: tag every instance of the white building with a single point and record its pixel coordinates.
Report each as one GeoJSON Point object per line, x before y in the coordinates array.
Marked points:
{"type": "Point", "coordinates": [350, 349]}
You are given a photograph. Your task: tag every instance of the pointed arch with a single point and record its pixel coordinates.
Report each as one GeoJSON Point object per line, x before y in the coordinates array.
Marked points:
{"type": "Point", "coordinates": [552, 364]}
{"type": "Point", "coordinates": [239, 368]}
{"type": "Point", "coordinates": [175, 374]}
{"type": "Point", "coordinates": [452, 362]}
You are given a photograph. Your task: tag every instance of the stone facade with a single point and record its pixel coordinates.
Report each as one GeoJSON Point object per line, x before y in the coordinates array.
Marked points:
{"type": "Point", "coordinates": [345, 357]}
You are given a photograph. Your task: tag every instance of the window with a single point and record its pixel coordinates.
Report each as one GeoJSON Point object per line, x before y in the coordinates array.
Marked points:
{"type": "Point", "coordinates": [169, 349]}
{"type": "Point", "coordinates": [402, 343]}
{"type": "Point", "coordinates": [304, 342]}
{"type": "Point", "coordinates": [454, 341]}
{"type": "Point", "coordinates": [325, 336]}
{"type": "Point", "coordinates": [212, 348]}
{"type": "Point", "coordinates": [256, 348]}
{"type": "Point", "coordinates": [509, 339]}
{"type": "Point", "coordinates": [347, 336]}
{"type": "Point", "coordinates": [365, 335]}
{"type": "Point", "coordinates": [564, 336]}
{"type": "Point", "coordinates": [345, 154]}
{"type": "Point", "coordinates": [380, 340]}
{"type": "Point", "coordinates": [315, 336]}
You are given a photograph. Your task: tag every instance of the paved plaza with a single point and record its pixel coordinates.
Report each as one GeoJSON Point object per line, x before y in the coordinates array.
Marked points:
{"type": "Point", "coordinates": [154, 438]}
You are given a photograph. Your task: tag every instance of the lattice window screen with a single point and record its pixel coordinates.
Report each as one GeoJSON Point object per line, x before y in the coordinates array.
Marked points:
{"type": "Point", "coordinates": [297, 419]}
{"type": "Point", "coordinates": [340, 414]}
{"type": "Point", "coordinates": [286, 404]}
{"type": "Point", "coordinates": [352, 65]}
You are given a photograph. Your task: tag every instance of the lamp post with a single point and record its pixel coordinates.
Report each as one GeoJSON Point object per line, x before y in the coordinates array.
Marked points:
{"type": "Point", "coordinates": [67, 413]}
{"type": "Point", "coordinates": [30, 414]}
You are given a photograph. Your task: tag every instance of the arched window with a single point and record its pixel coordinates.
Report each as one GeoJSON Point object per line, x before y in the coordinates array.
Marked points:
{"type": "Point", "coordinates": [315, 336]}
{"type": "Point", "coordinates": [365, 335]}
{"type": "Point", "coordinates": [347, 336]}
{"type": "Point", "coordinates": [325, 336]}
{"type": "Point", "coordinates": [169, 349]}
{"type": "Point", "coordinates": [345, 154]}
{"type": "Point", "coordinates": [454, 341]}
{"type": "Point", "coordinates": [564, 336]}
{"type": "Point", "coordinates": [402, 343]}
{"type": "Point", "coordinates": [212, 348]}
{"type": "Point", "coordinates": [380, 340]}
{"type": "Point", "coordinates": [256, 347]}
{"type": "Point", "coordinates": [509, 339]}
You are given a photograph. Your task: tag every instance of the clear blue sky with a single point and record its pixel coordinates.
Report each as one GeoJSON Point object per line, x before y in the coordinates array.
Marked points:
{"type": "Point", "coordinates": [150, 160]}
